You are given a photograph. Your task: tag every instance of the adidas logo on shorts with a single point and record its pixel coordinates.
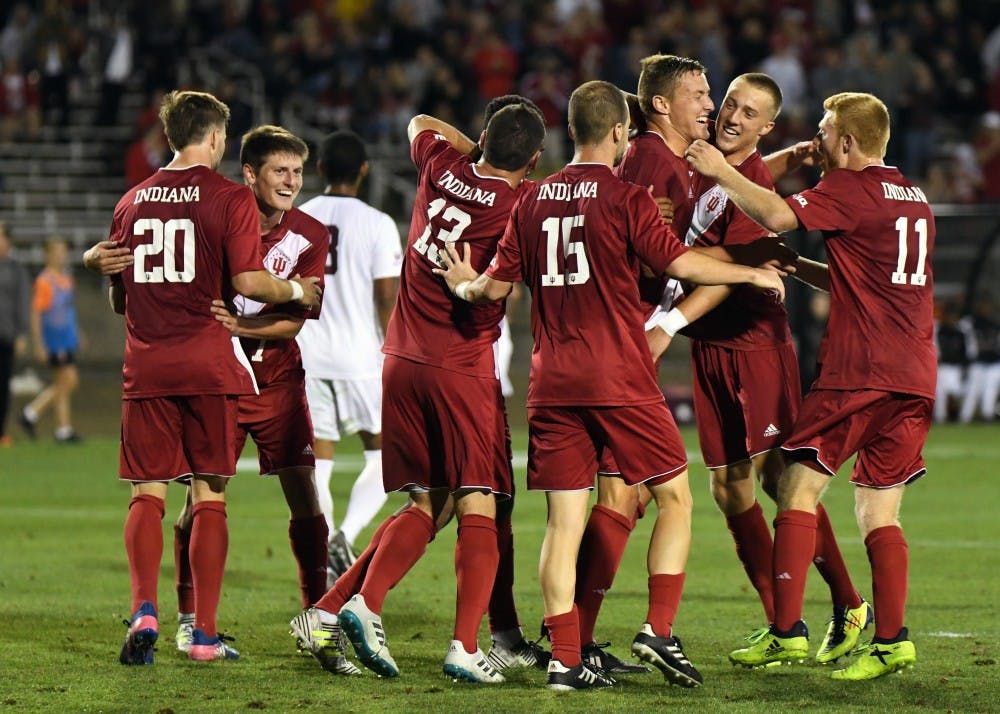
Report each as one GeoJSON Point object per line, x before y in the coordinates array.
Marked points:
{"type": "Point", "coordinates": [771, 430]}
{"type": "Point", "coordinates": [308, 450]}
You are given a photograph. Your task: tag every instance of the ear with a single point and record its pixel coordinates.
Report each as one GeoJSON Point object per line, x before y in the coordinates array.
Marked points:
{"type": "Point", "coordinates": [534, 162]}
{"type": "Point", "coordinates": [482, 140]}
{"type": "Point", "coordinates": [319, 166]}
{"type": "Point", "coordinates": [249, 175]}
{"type": "Point", "coordinates": [617, 131]}
{"type": "Point", "coordinates": [363, 171]}
{"type": "Point", "coordinates": [661, 105]}
{"type": "Point", "coordinates": [766, 129]}
{"type": "Point", "coordinates": [847, 143]}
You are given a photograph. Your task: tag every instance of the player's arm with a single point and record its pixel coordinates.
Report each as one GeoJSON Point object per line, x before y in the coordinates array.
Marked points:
{"type": "Point", "coordinates": [764, 252]}
{"type": "Point", "coordinates": [385, 291]}
{"type": "Point", "coordinates": [705, 270]}
{"type": "Point", "coordinates": [761, 204]}
{"type": "Point", "coordinates": [273, 326]}
{"type": "Point", "coordinates": [261, 286]}
{"type": "Point", "coordinates": [463, 280]}
{"type": "Point", "coordinates": [698, 303]}
{"type": "Point", "coordinates": [107, 258]}
{"type": "Point", "coordinates": [116, 298]}
{"type": "Point", "coordinates": [813, 273]}
{"type": "Point", "coordinates": [784, 161]}
{"type": "Point", "coordinates": [458, 140]}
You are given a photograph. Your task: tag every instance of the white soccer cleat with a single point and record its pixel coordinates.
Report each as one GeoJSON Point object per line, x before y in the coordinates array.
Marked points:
{"type": "Point", "coordinates": [459, 665]}
{"type": "Point", "coordinates": [185, 631]}
{"type": "Point", "coordinates": [522, 654]}
{"type": "Point", "coordinates": [364, 629]}
{"type": "Point", "coordinates": [318, 633]}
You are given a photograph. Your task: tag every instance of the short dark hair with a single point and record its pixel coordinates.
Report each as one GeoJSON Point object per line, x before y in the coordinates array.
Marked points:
{"type": "Point", "coordinates": [513, 135]}
{"type": "Point", "coordinates": [506, 100]}
{"type": "Point", "coordinates": [594, 109]}
{"type": "Point", "coordinates": [343, 154]}
{"type": "Point", "coordinates": [660, 75]}
{"type": "Point", "coordinates": [262, 141]}
{"type": "Point", "coordinates": [188, 117]}
{"type": "Point", "coordinates": [767, 85]}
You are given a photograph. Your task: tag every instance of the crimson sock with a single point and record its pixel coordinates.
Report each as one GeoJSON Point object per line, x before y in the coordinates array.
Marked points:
{"type": "Point", "coordinates": [830, 563]}
{"type": "Point", "coordinates": [476, 559]}
{"type": "Point", "coordinates": [754, 548]}
{"type": "Point", "coordinates": [144, 546]}
{"type": "Point", "coordinates": [182, 570]}
{"type": "Point", "coordinates": [564, 633]}
{"type": "Point", "coordinates": [890, 558]}
{"type": "Point", "coordinates": [209, 544]}
{"type": "Point", "coordinates": [794, 545]}
{"type": "Point", "coordinates": [665, 592]}
{"type": "Point", "coordinates": [403, 542]}
{"type": "Point", "coordinates": [348, 584]}
{"type": "Point", "coordinates": [502, 611]}
{"type": "Point", "coordinates": [308, 538]}
{"type": "Point", "coordinates": [601, 550]}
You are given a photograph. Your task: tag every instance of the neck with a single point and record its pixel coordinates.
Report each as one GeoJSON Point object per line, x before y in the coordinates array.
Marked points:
{"type": "Point", "coordinates": [514, 178]}
{"type": "Point", "coordinates": [342, 189]}
{"type": "Point", "coordinates": [191, 156]}
{"type": "Point", "coordinates": [738, 157]}
{"type": "Point", "coordinates": [659, 124]}
{"type": "Point", "coordinates": [859, 162]}
{"type": "Point", "coordinates": [269, 218]}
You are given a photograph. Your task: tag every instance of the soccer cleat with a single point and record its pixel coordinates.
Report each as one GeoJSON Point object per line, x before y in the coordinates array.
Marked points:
{"type": "Point", "coordinates": [460, 666]}
{"type": "Point", "coordinates": [364, 629]}
{"type": "Point", "coordinates": [29, 425]}
{"type": "Point", "coordinates": [185, 631]}
{"type": "Point", "coordinates": [143, 629]}
{"type": "Point", "coordinates": [877, 659]}
{"type": "Point", "coordinates": [845, 628]}
{"type": "Point", "coordinates": [667, 655]}
{"type": "Point", "coordinates": [772, 649]}
{"type": "Point", "coordinates": [207, 649]}
{"type": "Point", "coordinates": [340, 556]}
{"type": "Point", "coordinates": [522, 654]}
{"type": "Point", "coordinates": [566, 679]}
{"type": "Point", "coordinates": [323, 640]}
{"type": "Point", "coordinates": [596, 656]}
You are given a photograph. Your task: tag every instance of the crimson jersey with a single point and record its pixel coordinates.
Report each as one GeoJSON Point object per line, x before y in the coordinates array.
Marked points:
{"type": "Point", "coordinates": [648, 161]}
{"type": "Point", "coordinates": [296, 246]}
{"type": "Point", "coordinates": [879, 234]}
{"type": "Point", "coordinates": [454, 204]}
{"type": "Point", "coordinates": [576, 239]}
{"type": "Point", "coordinates": [190, 230]}
{"type": "Point", "coordinates": [749, 319]}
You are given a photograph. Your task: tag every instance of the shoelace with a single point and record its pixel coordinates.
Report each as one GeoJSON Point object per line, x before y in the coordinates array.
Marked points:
{"type": "Point", "coordinates": [757, 635]}
{"type": "Point", "coordinates": [588, 676]}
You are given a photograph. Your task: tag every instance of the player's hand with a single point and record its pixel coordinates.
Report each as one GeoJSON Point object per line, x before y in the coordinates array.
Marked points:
{"type": "Point", "coordinates": [766, 252]}
{"type": "Point", "coordinates": [658, 341]}
{"type": "Point", "coordinates": [312, 293]}
{"type": "Point", "coordinates": [806, 153]}
{"type": "Point", "coordinates": [107, 258]}
{"type": "Point", "coordinates": [768, 279]}
{"type": "Point", "coordinates": [456, 270]}
{"type": "Point", "coordinates": [221, 312]}
{"type": "Point", "coordinates": [665, 205]}
{"type": "Point", "coordinates": [706, 159]}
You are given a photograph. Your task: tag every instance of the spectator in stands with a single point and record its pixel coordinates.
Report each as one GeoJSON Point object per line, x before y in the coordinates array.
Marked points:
{"type": "Point", "coordinates": [55, 45]}
{"type": "Point", "coordinates": [19, 102]}
{"type": "Point", "coordinates": [117, 55]}
{"type": "Point", "coordinates": [987, 147]}
{"type": "Point", "coordinates": [14, 301]}
{"type": "Point", "coordinates": [16, 36]}
{"type": "Point", "coordinates": [145, 155]}
{"type": "Point", "coordinates": [57, 341]}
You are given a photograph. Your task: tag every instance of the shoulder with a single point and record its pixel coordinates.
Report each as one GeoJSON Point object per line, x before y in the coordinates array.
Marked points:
{"type": "Point", "coordinates": [754, 168]}
{"type": "Point", "coordinates": [429, 143]}
{"type": "Point", "coordinates": [304, 224]}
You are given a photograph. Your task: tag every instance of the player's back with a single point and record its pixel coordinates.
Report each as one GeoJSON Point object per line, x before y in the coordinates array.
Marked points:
{"type": "Point", "coordinates": [455, 203]}
{"type": "Point", "coordinates": [189, 231]}
{"type": "Point", "coordinates": [578, 237]}
{"type": "Point", "coordinates": [363, 247]}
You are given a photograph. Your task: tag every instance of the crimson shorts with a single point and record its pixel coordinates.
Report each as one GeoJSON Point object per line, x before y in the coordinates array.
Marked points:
{"type": "Point", "coordinates": [887, 430]}
{"type": "Point", "coordinates": [168, 438]}
{"type": "Point", "coordinates": [745, 402]}
{"type": "Point", "coordinates": [566, 444]}
{"type": "Point", "coordinates": [442, 429]}
{"type": "Point", "coordinates": [278, 421]}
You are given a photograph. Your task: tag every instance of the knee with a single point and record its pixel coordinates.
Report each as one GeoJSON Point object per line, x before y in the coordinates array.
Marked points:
{"type": "Point", "coordinates": [674, 497]}
{"type": "Point", "coordinates": [732, 497]}
{"type": "Point", "coordinates": [618, 496]}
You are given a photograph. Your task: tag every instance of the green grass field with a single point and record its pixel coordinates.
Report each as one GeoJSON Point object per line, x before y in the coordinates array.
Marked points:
{"type": "Point", "coordinates": [64, 593]}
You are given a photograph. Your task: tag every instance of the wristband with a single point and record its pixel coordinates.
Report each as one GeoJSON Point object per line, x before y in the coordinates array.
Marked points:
{"type": "Point", "coordinates": [297, 291]}
{"type": "Point", "coordinates": [462, 288]}
{"type": "Point", "coordinates": [672, 322]}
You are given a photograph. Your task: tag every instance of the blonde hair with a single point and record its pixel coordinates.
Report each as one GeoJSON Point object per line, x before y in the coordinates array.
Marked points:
{"type": "Point", "coordinates": [864, 117]}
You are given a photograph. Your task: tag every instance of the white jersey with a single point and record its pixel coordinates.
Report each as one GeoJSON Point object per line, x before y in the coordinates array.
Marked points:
{"type": "Point", "coordinates": [346, 341]}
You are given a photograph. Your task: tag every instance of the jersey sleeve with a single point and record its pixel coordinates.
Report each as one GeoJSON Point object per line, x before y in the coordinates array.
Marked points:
{"type": "Point", "coordinates": [387, 260]}
{"type": "Point", "coordinates": [42, 299]}
{"type": "Point", "coordinates": [654, 242]}
{"type": "Point", "coordinates": [427, 145]}
{"type": "Point", "coordinates": [312, 264]}
{"type": "Point", "coordinates": [242, 243]}
{"type": "Point", "coordinates": [506, 264]}
{"type": "Point", "coordinates": [833, 205]}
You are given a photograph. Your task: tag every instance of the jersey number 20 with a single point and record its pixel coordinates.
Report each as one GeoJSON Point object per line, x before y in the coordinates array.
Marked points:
{"type": "Point", "coordinates": [165, 241]}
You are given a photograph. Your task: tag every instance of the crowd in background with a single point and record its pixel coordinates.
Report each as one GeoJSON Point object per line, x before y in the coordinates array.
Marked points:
{"type": "Point", "coordinates": [372, 64]}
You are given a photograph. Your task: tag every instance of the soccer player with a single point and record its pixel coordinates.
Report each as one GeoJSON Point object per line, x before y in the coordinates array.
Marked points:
{"type": "Point", "coordinates": [277, 418]}
{"type": "Point", "coordinates": [745, 371]}
{"type": "Point", "coordinates": [342, 350]}
{"type": "Point", "coordinates": [193, 236]}
{"type": "Point", "coordinates": [576, 240]}
{"type": "Point", "coordinates": [445, 437]}
{"type": "Point", "coordinates": [875, 390]}
{"type": "Point", "coordinates": [57, 340]}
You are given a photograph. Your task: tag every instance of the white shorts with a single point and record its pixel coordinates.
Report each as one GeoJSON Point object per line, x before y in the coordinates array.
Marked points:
{"type": "Point", "coordinates": [344, 406]}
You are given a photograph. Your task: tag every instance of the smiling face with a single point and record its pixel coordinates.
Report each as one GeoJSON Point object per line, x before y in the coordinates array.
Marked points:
{"type": "Point", "coordinates": [277, 182]}
{"type": "Point", "coordinates": [747, 114]}
{"type": "Point", "coordinates": [691, 106]}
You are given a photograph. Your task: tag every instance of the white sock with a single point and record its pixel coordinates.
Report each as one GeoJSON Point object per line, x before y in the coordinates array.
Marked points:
{"type": "Point", "coordinates": [367, 497]}
{"type": "Point", "coordinates": [30, 414]}
{"type": "Point", "coordinates": [324, 467]}
{"type": "Point", "coordinates": [329, 618]}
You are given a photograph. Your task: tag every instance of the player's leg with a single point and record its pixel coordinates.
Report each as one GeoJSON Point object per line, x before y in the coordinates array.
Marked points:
{"type": "Point", "coordinates": [144, 547]}
{"type": "Point", "coordinates": [322, 403]}
{"type": "Point", "coordinates": [975, 385]}
{"type": "Point", "coordinates": [367, 498]}
{"type": "Point", "coordinates": [306, 530]}
{"type": "Point", "coordinates": [66, 381]}
{"type": "Point", "coordinates": [183, 582]}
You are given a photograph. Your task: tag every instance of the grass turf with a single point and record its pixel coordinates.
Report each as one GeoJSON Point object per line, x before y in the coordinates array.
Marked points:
{"type": "Point", "coordinates": [64, 592]}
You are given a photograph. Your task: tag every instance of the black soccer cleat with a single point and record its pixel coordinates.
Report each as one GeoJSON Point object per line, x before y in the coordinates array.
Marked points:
{"type": "Point", "coordinates": [566, 679]}
{"type": "Point", "coordinates": [597, 657]}
{"type": "Point", "coordinates": [666, 655]}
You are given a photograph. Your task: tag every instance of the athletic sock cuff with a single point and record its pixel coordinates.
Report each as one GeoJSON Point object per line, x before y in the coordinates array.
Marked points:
{"type": "Point", "coordinates": [805, 519]}
{"type": "Point", "coordinates": [886, 535]}
{"type": "Point", "coordinates": [624, 521]}
{"type": "Point", "coordinates": [217, 506]}
{"type": "Point", "coordinates": [475, 520]}
{"type": "Point", "coordinates": [154, 501]}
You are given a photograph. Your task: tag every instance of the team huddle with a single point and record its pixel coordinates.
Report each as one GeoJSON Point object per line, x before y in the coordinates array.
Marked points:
{"type": "Point", "coordinates": [247, 316]}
